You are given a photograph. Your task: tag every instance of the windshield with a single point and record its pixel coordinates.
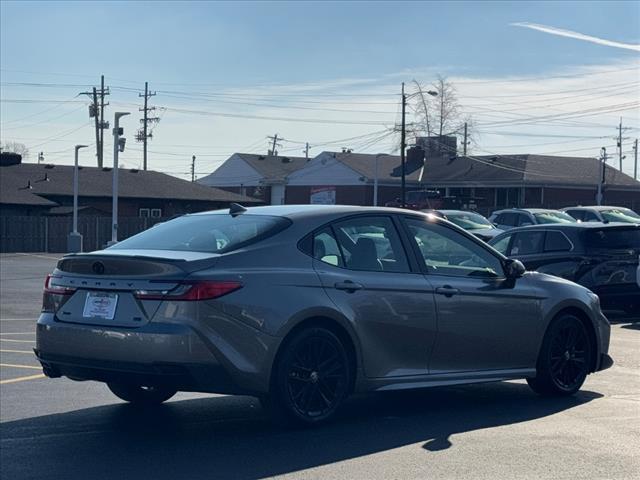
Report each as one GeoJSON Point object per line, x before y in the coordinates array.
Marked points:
{"type": "Point", "coordinates": [613, 238]}
{"type": "Point", "coordinates": [620, 215]}
{"type": "Point", "coordinates": [211, 233]}
{"type": "Point", "coordinates": [554, 217]}
{"type": "Point", "coordinates": [469, 221]}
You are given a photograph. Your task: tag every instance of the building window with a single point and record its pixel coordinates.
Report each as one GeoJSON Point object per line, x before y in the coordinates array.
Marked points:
{"type": "Point", "coordinates": [143, 212]}
{"type": "Point", "coordinates": [156, 212]}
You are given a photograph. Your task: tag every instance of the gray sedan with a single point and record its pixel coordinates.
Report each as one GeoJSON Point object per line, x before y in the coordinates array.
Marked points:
{"type": "Point", "coordinates": [303, 305]}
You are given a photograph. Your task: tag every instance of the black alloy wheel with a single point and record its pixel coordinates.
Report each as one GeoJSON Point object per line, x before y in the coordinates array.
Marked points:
{"type": "Point", "coordinates": [313, 376]}
{"type": "Point", "coordinates": [564, 359]}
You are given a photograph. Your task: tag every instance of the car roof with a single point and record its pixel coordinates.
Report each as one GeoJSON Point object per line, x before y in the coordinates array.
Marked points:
{"type": "Point", "coordinates": [598, 208]}
{"type": "Point", "coordinates": [449, 212]}
{"type": "Point", "coordinates": [574, 226]}
{"type": "Point", "coordinates": [529, 210]}
{"type": "Point", "coordinates": [309, 211]}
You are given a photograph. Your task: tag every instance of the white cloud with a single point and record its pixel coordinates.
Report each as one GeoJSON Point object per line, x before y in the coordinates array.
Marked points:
{"type": "Point", "coordinates": [577, 35]}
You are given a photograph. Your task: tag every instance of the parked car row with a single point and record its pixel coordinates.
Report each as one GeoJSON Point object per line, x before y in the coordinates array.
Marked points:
{"type": "Point", "coordinates": [597, 247]}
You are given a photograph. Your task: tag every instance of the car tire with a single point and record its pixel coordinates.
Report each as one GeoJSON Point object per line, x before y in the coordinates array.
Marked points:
{"type": "Point", "coordinates": [311, 378]}
{"type": "Point", "coordinates": [141, 395]}
{"type": "Point", "coordinates": [564, 359]}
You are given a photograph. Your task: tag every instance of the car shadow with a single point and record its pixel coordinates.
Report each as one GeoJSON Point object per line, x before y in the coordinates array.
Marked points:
{"type": "Point", "coordinates": [230, 437]}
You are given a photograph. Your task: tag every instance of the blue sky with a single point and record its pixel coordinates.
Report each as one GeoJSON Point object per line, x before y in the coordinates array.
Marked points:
{"type": "Point", "coordinates": [275, 48]}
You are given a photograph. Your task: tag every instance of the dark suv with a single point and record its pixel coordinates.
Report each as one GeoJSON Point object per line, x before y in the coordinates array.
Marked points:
{"type": "Point", "coordinates": [601, 257]}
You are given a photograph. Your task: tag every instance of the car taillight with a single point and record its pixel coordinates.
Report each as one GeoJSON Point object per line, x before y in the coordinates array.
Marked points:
{"type": "Point", "coordinates": [54, 296]}
{"type": "Point", "coordinates": [191, 290]}
{"type": "Point", "coordinates": [56, 289]}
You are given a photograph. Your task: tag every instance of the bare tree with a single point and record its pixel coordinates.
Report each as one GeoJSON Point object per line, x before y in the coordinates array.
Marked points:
{"type": "Point", "coordinates": [438, 112]}
{"type": "Point", "coordinates": [15, 147]}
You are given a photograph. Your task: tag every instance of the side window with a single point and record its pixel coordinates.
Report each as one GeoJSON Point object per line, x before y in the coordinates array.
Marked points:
{"type": "Point", "coordinates": [446, 252]}
{"type": "Point", "coordinates": [577, 214]}
{"type": "Point", "coordinates": [325, 248]}
{"type": "Point", "coordinates": [590, 217]}
{"type": "Point", "coordinates": [556, 242]}
{"type": "Point", "coordinates": [371, 244]}
{"type": "Point", "coordinates": [527, 243]}
{"type": "Point", "coordinates": [502, 244]}
{"type": "Point", "coordinates": [511, 219]}
{"type": "Point", "coordinates": [524, 219]}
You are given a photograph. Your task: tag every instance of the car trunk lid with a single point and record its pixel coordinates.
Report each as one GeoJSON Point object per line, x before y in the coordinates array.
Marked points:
{"type": "Point", "coordinates": [108, 284]}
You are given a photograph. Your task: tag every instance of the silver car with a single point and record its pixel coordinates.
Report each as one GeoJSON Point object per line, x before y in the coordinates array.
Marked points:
{"type": "Point", "coordinates": [303, 305]}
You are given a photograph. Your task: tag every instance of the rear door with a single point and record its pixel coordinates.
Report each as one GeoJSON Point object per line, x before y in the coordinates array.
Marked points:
{"type": "Point", "coordinates": [365, 270]}
{"type": "Point", "coordinates": [485, 322]}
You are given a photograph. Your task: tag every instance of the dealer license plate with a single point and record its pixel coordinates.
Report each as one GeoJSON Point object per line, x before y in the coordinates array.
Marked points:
{"type": "Point", "coordinates": [100, 305]}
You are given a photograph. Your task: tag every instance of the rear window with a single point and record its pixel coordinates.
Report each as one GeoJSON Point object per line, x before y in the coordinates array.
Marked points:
{"type": "Point", "coordinates": [613, 238]}
{"type": "Point", "coordinates": [212, 233]}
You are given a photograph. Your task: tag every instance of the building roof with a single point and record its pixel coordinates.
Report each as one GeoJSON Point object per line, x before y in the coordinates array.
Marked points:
{"type": "Point", "coordinates": [519, 169]}
{"type": "Point", "coordinates": [31, 184]}
{"type": "Point", "coordinates": [365, 165]}
{"type": "Point", "coordinates": [274, 168]}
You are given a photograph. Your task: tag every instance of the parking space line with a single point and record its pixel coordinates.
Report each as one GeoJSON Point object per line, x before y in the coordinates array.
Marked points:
{"type": "Point", "coordinates": [16, 351]}
{"type": "Point", "coordinates": [22, 379]}
{"type": "Point", "coordinates": [16, 341]}
{"type": "Point", "coordinates": [34, 255]}
{"type": "Point", "coordinates": [18, 320]}
{"type": "Point", "coordinates": [12, 365]}
{"type": "Point", "coordinates": [16, 333]}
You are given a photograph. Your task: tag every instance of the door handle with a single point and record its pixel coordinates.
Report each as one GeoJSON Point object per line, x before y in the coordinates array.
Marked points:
{"type": "Point", "coordinates": [447, 291]}
{"type": "Point", "coordinates": [349, 286]}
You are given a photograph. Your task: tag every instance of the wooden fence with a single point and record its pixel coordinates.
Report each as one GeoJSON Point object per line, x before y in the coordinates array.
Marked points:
{"type": "Point", "coordinates": [49, 234]}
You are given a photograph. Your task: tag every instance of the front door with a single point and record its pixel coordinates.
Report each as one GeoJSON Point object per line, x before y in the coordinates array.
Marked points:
{"type": "Point", "coordinates": [364, 269]}
{"type": "Point", "coordinates": [485, 321]}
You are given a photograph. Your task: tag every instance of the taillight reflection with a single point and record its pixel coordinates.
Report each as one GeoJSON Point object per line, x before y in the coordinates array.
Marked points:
{"type": "Point", "coordinates": [54, 296]}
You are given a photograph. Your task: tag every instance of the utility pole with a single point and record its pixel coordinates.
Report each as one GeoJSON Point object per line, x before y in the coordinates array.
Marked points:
{"type": "Point", "coordinates": [103, 125]}
{"type": "Point", "coordinates": [635, 164]}
{"type": "Point", "coordinates": [274, 145]}
{"type": "Point", "coordinates": [620, 143]}
{"type": "Point", "coordinates": [603, 159]}
{"type": "Point", "coordinates": [193, 168]}
{"type": "Point", "coordinates": [402, 149]}
{"type": "Point", "coordinates": [97, 121]}
{"type": "Point", "coordinates": [143, 134]}
{"type": "Point", "coordinates": [306, 151]}
{"type": "Point", "coordinates": [96, 111]}
{"type": "Point", "coordinates": [464, 145]}
{"type": "Point", "coordinates": [41, 157]}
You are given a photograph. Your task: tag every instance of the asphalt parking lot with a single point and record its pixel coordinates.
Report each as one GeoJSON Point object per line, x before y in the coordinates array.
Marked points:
{"type": "Point", "coordinates": [57, 428]}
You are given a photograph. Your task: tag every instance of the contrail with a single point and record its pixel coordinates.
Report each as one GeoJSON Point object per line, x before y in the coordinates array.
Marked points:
{"type": "Point", "coordinates": [577, 36]}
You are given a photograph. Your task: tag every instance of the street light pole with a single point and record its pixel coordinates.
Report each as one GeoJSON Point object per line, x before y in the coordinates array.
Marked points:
{"type": "Point", "coordinates": [75, 189]}
{"type": "Point", "coordinates": [402, 148]}
{"type": "Point", "coordinates": [600, 194]}
{"type": "Point", "coordinates": [116, 147]}
{"type": "Point", "coordinates": [74, 240]}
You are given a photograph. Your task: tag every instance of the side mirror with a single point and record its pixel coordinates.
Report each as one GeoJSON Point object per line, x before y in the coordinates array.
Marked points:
{"type": "Point", "coordinates": [514, 268]}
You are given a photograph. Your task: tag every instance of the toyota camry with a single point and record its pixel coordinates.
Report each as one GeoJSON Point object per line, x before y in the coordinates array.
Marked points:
{"type": "Point", "coordinates": [301, 306]}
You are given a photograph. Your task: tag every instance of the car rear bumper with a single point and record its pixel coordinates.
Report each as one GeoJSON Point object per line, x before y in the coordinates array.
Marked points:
{"type": "Point", "coordinates": [169, 354]}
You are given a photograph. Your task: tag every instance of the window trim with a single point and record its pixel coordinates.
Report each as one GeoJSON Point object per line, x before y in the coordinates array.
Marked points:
{"type": "Point", "coordinates": [148, 210]}
{"type": "Point", "coordinates": [159, 210]}
{"type": "Point", "coordinates": [420, 259]}
{"type": "Point", "coordinates": [546, 231]}
{"type": "Point", "coordinates": [305, 245]}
